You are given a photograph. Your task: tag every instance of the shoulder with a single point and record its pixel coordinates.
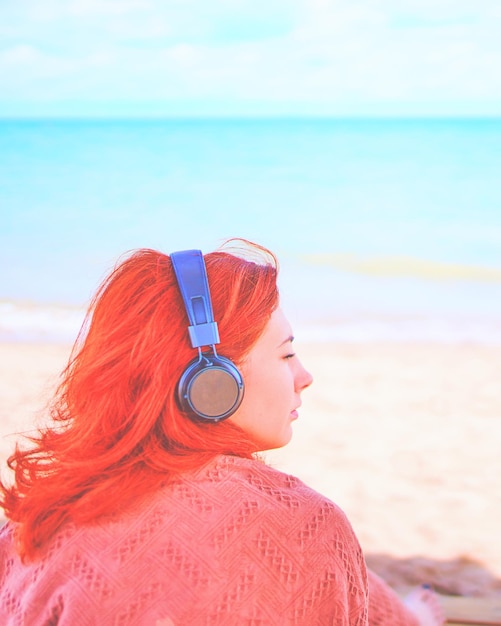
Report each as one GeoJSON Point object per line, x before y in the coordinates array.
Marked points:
{"type": "Point", "coordinates": [248, 476]}
{"type": "Point", "coordinates": [230, 496]}
{"type": "Point", "coordinates": [235, 482]}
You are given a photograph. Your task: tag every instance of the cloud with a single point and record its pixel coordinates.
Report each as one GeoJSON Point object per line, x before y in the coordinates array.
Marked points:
{"type": "Point", "coordinates": [333, 55]}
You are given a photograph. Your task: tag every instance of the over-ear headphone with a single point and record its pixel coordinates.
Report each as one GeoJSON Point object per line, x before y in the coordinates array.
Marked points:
{"type": "Point", "coordinates": [211, 387]}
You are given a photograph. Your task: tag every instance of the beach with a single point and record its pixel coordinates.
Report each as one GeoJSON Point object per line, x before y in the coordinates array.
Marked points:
{"type": "Point", "coordinates": [404, 436]}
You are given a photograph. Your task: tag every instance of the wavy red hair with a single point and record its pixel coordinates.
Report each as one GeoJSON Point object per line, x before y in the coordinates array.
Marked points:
{"type": "Point", "coordinates": [117, 431]}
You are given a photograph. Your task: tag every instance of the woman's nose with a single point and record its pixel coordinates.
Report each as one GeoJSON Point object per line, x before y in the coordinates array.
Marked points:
{"type": "Point", "coordinates": [303, 378]}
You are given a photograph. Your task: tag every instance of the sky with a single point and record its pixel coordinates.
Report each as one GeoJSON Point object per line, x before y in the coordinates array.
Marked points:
{"type": "Point", "coordinates": [250, 58]}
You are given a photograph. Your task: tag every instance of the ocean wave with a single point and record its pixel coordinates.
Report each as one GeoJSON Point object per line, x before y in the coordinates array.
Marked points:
{"type": "Point", "coordinates": [396, 329]}
{"type": "Point", "coordinates": [35, 322]}
{"type": "Point", "coordinates": [32, 321]}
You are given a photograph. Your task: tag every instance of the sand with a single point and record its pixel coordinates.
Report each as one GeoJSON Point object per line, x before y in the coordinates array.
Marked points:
{"type": "Point", "coordinates": [406, 438]}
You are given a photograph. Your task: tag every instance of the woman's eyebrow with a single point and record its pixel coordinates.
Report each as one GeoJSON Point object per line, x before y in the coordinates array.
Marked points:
{"type": "Point", "coordinates": [289, 339]}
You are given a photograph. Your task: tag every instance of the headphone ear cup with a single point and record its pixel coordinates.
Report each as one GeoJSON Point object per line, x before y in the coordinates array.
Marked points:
{"type": "Point", "coordinates": [211, 388]}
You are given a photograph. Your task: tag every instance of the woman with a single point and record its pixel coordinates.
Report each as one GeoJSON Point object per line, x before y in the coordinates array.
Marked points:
{"type": "Point", "coordinates": [144, 503]}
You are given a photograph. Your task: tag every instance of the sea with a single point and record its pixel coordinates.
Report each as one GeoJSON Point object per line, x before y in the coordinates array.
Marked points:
{"type": "Point", "coordinates": [385, 229]}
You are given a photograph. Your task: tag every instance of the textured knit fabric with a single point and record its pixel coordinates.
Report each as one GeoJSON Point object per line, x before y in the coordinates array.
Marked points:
{"type": "Point", "coordinates": [235, 543]}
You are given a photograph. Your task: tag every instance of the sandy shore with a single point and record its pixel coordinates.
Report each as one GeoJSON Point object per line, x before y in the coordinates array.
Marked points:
{"type": "Point", "coordinates": [406, 438]}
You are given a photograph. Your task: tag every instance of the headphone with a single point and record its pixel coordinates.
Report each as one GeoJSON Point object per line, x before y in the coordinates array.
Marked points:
{"type": "Point", "coordinates": [211, 387]}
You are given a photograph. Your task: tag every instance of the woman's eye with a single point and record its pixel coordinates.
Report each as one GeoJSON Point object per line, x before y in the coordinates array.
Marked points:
{"type": "Point", "coordinates": [289, 356]}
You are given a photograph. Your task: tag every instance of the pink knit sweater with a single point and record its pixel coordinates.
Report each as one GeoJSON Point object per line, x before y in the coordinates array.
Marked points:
{"type": "Point", "coordinates": [235, 543]}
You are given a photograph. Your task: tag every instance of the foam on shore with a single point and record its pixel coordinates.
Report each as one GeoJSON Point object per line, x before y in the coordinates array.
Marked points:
{"type": "Point", "coordinates": [25, 322]}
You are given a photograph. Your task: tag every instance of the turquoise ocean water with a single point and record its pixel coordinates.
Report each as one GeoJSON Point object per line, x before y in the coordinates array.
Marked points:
{"type": "Point", "coordinates": [385, 229]}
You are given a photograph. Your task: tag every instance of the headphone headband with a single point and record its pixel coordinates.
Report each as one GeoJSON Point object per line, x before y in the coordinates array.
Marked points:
{"type": "Point", "coordinates": [189, 267]}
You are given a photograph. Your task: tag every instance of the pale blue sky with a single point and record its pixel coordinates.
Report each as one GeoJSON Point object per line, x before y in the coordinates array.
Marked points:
{"type": "Point", "coordinates": [250, 57]}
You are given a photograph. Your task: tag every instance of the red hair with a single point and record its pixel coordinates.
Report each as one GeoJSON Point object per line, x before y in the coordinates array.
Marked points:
{"type": "Point", "coordinates": [117, 430]}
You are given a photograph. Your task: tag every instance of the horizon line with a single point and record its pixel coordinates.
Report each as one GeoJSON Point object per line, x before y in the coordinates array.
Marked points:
{"type": "Point", "coordinates": [257, 117]}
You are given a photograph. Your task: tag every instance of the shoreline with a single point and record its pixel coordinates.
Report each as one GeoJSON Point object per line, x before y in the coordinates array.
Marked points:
{"type": "Point", "coordinates": [402, 436]}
